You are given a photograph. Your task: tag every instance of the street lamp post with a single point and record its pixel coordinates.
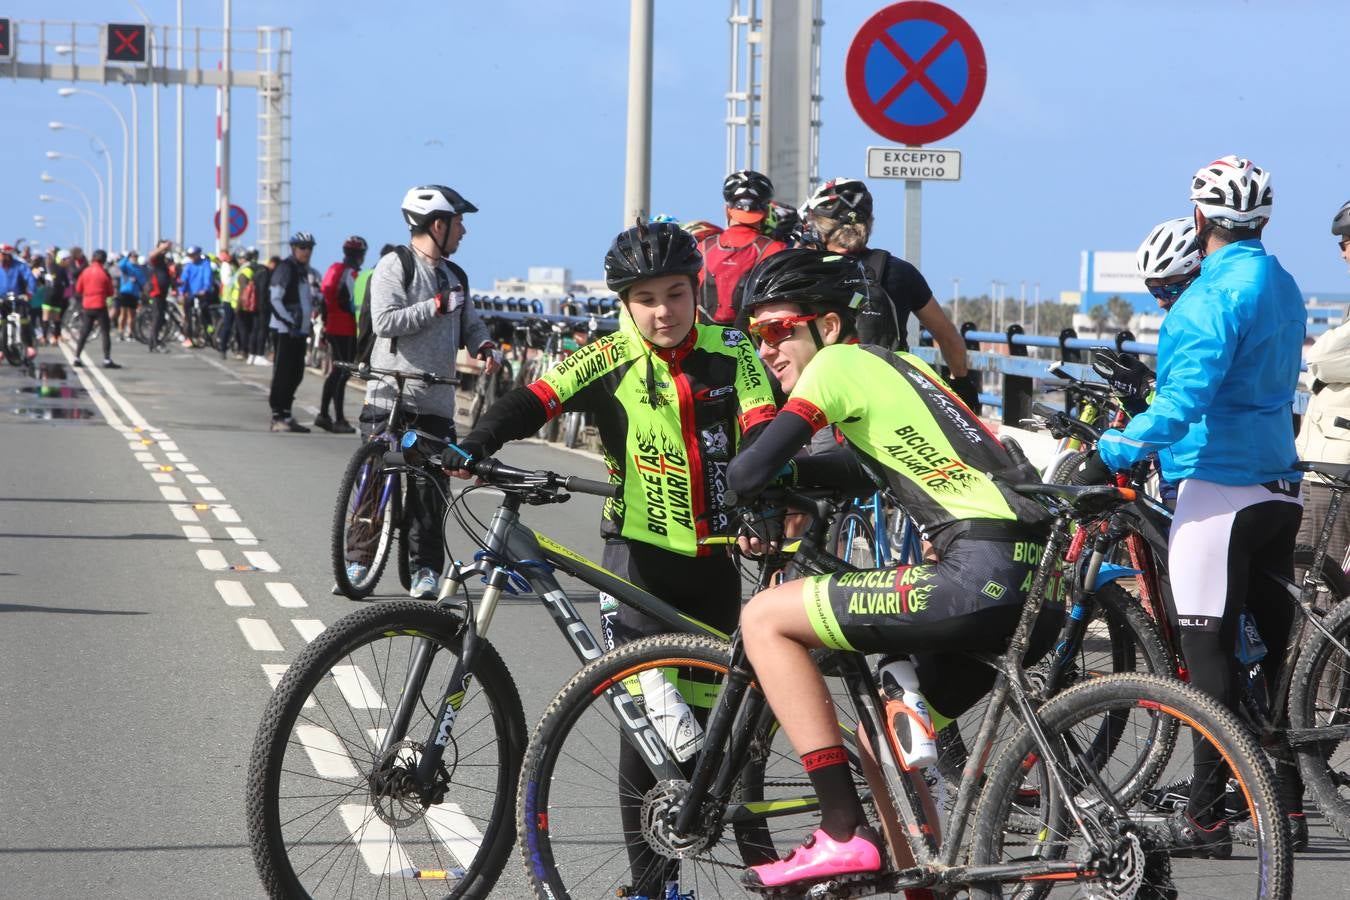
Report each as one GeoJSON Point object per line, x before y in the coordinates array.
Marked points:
{"type": "Point", "coordinates": [48, 198]}
{"type": "Point", "coordinates": [107, 157]}
{"type": "Point", "coordinates": [48, 178]}
{"type": "Point", "coordinates": [52, 154]}
{"type": "Point", "coordinates": [126, 155]}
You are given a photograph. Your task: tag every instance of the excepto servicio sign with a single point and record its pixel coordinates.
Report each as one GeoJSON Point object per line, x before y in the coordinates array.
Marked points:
{"type": "Point", "coordinates": [914, 163]}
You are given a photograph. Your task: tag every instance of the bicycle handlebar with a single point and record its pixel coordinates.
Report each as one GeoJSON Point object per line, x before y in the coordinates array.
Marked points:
{"type": "Point", "coordinates": [495, 472]}
{"type": "Point", "coordinates": [1057, 418]}
{"type": "Point", "coordinates": [364, 371]}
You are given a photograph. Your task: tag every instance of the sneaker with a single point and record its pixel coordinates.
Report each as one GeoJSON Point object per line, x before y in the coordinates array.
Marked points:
{"type": "Point", "coordinates": [187, 343]}
{"type": "Point", "coordinates": [342, 426]}
{"type": "Point", "coordinates": [356, 572]}
{"type": "Point", "coordinates": [820, 857]}
{"type": "Point", "coordinates": [77, 363]}
{"type": "Point", "coordinates": [322, 421]}
{"type": "Point", "coordinates": [262, 361]}
{"type": "Point", "coordinates": [1175, 795]}
{"type": "Point", "coordinates": [423, 585]}
{"type": "Point", "coordinates": [1244, 832]}
{"type": "Point", "coordinates": [1183, 836]}
{"type": "Point", "coordinates": [289, 425]}
{"type": "Point", "coordinates": [109, 364]}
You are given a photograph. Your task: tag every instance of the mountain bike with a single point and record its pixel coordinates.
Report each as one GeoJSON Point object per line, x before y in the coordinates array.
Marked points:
{"type": "Point", "coordinates": [1055, 809]}
{"type": "Point", "coordinates": [14, 310]}
{"type": "Point", "coordinates": [170, 329]}
{"type": "Point", "coordinates": [386, 760]}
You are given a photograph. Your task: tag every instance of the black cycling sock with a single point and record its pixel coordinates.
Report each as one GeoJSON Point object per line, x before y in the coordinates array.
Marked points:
{"type": "Point", "coordinates": [832, 779]}
{"type": "Point", "coordinates": [1211, 671]}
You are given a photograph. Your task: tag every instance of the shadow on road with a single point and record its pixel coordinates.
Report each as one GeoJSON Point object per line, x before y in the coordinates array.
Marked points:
{"type": "Point", "coordinates": [95, 537]}
{"type": "Point", "coordinates": [29, 607]}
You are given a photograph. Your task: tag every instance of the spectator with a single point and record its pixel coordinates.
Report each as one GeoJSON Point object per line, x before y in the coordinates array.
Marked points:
{"type": "Point", "coordinates": [54, 306]}
{"type": "Point", "coordinates": [133, 280]}
{"type": "Point", "coordinates": [159, 286]}
{"type": "Point", "coordinates": [339, 288]}
{"type": "Point", "coordinates": [729, 255]}
{"type": "Point", "coordinates": [244, 299]}
{"type": "Point", "coordinates": [292, 304]}
{"type": "Point", "coordinates": [262, 331]}
{"type": "Point", "coordinates": [93, 287]}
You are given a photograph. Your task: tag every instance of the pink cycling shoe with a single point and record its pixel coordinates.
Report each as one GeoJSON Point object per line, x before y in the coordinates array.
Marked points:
{"type": "Point", "coordinates": [818, 858]}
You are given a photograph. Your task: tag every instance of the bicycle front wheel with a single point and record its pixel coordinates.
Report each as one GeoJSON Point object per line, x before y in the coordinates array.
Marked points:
{"type": "Point", "coordinates": [333, 809]}
{"type": "Point", "coordinates": [1131, 843]}
{"type": "Point", "coordinates": [595, 825]}
{"type": "Point", "coordinates": [1319, 698]}
{"type": "Point", "coordinates": [364, 521]}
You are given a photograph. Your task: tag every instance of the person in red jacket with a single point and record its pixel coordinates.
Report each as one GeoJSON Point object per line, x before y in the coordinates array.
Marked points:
{"type": "Point", "coordinates": [729, 255]}
{"type": "Point", "coordinates": [340, 316]}
{"type": "Point", "coordinates": [94, 287]}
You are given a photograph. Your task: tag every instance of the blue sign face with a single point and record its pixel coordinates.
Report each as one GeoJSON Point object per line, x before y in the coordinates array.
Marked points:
{"type": "Point", "coordinates": [238, 221]}
{"type": "Point", "coordinates": [915, 72]}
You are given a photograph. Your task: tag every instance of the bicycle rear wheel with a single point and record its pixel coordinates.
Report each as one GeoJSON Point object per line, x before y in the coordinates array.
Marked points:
{"type": "Point", "coordinates": [1335, 584]}
{"type": "Point", "coordinates": [1018, 786]}
{"type": "Point", "coordinates": [1319, 698]}
{"type": "Point", "coordinates": [573, 836]}
{"type": "Point", "coordinates": [853, 539]}
{"type": "Point", "coordinates": [364, 520]}
{"type": "Point", "coordinates": [332, 815]}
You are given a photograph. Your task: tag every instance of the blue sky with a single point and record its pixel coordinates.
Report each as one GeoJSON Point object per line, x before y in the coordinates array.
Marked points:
{"type": "Point", "coordinates": [1095, 116]}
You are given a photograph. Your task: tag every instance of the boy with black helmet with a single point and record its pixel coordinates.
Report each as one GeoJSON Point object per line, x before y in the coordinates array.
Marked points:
{"type": "Point", "coordinates": [937, 457]}
{"type": "Point", "coordinates": [729, 255]}
{"type": "Point", "coordinates": [673, 399]}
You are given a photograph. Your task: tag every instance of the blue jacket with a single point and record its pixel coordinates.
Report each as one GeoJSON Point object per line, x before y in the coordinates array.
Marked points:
{"type": "Point", "coordinates": [17, 278]}
{"type": "Point", "coordinates": [197, 277]}
{"type": "Point", "coordinates": [134, 277]}
{"type": "Point", "coordinates": [1229, 354]}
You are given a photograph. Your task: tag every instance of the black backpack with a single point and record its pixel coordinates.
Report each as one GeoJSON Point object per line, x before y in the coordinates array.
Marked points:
{"type": "Point", "coordinates": [877, 320]}
{"type": "Point", "coordinates": [365, 329]}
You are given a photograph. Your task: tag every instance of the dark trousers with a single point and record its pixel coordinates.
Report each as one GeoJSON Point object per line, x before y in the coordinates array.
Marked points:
{"type": "Point", "coordinates": [161, 310]}
{"type": "Point", "coordinates": [287, 373]}
{"type": "Point", "coordinates": [87, 325]}
{"type": "Point", "coordinates": [227, 320]}
{"type": "Point", "coordinates": [244, 322]}
{"type": "Point", "coordinates": [261, 329]}
{"type": "Point", "coordinates": [343, 347]}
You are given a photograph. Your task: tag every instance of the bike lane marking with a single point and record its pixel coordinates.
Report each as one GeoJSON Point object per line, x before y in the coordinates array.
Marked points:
{"type": "Point", "coordinates": [233, 593]}
{"type": "Point", "coordinates": [260, 635]}
{"type": "Point", "coordinates": [285, 594]}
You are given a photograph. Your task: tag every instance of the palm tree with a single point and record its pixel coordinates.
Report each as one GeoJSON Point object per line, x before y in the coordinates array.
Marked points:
{"type": "Point", "coordinates": [1100, 317]}
{"type": "Point", "coordinates": [1121, 310]}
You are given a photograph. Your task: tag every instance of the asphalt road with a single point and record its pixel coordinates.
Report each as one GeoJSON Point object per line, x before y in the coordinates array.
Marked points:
{"type": "Point", "coordinates": [131, 677]}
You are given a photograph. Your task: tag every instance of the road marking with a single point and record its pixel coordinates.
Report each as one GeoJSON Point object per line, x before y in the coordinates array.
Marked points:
{"type": "Point", "coordinates": [213, 560]}
{"type": "Point", "coordinates": [275, 672]}
{"type": "Point", "coordinates": [182, 512]}
{"type": "Point", "coordinates": [211, 495]}
{"type": "Point", "coordinates": [376, 842]}
{"type": "Point", "coordinates": [198, 479]}
{"type": "Point", "coordinates": [132, 415]}
{"type": "Point", "coordinates": [356, 687]}
{"type": "Point", "coordinates": [166, 446]}
{"type": "Point", "coordinates": [285, 594]}
{"type": "Point", "coordinates": [260, 635]}
{"type": "Point", "coordinates": [456, 831]}
{"type": "Point", "coordinates": [184, 466]}
{"type": "Point", "coordinates": [197, 534]}
{"type": "Point", "coordinates": [261, 560]}
{"type": "Point", "coordinates": [175, 457]}
{"type": "Point", "coordinates": [138, 446]}
{"type": "Point", "coordinates": [325, 752]}
{"type": "Point", "coordinates": [225, 514]}
{"type": "Point", "coordinates": [173, 493]}
{"type": "Point", "coordinates": [234, 593]}
{"type": "Point", "coordinates": [152, 466]}
{"type": "Point", "coordinates": [242, 536]}
{"type": "Point", "coordinates": [162, 477]}
{"type": "Point", "coordinates": [143, 455]}
{"type": "Point", "coordinates": [309, 628]}
{"type": "Point", "coordinates": [159, 436]}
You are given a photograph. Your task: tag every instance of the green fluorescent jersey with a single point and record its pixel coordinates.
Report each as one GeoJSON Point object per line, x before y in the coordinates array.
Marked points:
{"type": "Point", "coordinates": [670, 421]}
{"type": "Point", "coordinates": [936, 455]}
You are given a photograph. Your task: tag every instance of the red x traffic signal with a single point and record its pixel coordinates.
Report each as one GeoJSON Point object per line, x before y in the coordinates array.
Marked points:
{"type": "Point", "coordinates": [126, 43]}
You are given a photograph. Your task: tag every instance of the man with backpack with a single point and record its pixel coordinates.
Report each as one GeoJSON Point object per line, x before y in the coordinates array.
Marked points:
{"type": "Point", "coordinates": [840, 211]}
{"type": "Point", "coordinates": [729, 255]}
{"type": "Point", "coordinates": [243, 297]}
{"type": "Point", "coordinates": [420, 314]}
{"type": "Point", "coordinates": [292, 303]}
{"type": "Point", "coordinates": [339, 285]}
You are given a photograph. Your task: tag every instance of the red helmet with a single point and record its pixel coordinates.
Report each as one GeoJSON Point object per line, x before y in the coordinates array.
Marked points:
{"type": "Point", "coordinates": [354, 244]}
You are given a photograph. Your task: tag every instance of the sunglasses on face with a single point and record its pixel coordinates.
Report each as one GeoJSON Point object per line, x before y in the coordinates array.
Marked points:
{"type": "Point", "coordinates": [1168, 293]}
{"type": "Point", "coordinates": [774, 331]}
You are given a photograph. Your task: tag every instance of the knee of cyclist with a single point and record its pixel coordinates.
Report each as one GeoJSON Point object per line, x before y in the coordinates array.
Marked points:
{"type": "Point", "coordinates": [761, 620]}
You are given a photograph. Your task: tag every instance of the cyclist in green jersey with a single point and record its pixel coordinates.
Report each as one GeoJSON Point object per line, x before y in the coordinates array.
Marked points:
{"type": "Point", "coordinates": [937, 457]}
{"type": "Point", "coordinates": [673, 400]}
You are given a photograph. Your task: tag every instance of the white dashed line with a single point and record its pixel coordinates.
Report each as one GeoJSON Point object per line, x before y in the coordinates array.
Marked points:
{"type": "Point", "coordinates": [211, 495]}
{"type": "Point", "coordinates": [197, 534]}
{"type": "Point", "coordinates": [326, 753]}
{"type": "Point", "coordinates": [198, 479]}
{"type": "Point", "coordinates": [152, 466]}
{"type": "Point", "coordinates": [159, 436]}
{"type": "Point", "coordinates": [175, 457]}
{"type": "Point", "coordinates": [262, 560]}
{"type": "Point", "coordinates": [166, 446]}
{"type": "Point", "coordinates": [144, 456]}
{"type": "Point", "coordinates": [275, 672]}
{"type": "Point", "coordinates": [162, 477]}
{"type": "Point", "coordinates": [182, 466]}
{"type": "Point", "coordinates": [285, 594]}
{"type": "Point", "coordinates": [225, 514]}
{"type": "Point", "coordinates": [173, 494]}
{"type": "Point", "coordinates": [356, 687]}
{"type": "Point", "coordinates": [376, 841]}
{"type": "Point", "coordinates": [242, 536]}
{"type": "Point", "coordinates": [213, 560]}
{"type": "Point", "coordinates": [309, 628]}
{"type": "Point", "coordinates": [260, 635]}
{"type": "Point", "coordinates": [233, 593]}
{"type": "Point", "coordinates": [138, 446]}
{"type": "Point", "coordinates": [183, 513]}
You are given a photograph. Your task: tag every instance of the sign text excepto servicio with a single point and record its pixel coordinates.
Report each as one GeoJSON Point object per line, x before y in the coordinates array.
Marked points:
{"type": "Point", "coordinates": [914, 163]}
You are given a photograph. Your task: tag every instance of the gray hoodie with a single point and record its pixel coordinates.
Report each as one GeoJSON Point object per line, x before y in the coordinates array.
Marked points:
{"type": "Point", "coordinates": [425, 342]}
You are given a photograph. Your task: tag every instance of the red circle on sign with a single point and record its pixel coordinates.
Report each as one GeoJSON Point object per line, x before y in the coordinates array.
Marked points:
{"type": "Point", "coordinates": [874, 30]}
{"type": "Point", "coordinates": [238, 221]}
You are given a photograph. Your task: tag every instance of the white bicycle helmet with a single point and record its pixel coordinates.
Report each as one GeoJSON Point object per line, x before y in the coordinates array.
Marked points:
{"type": "Point", "coordinates": [1170, 249]}
{"type": "Point", "coordinates": [423, 205]}
{"type": "Point", "coordinates": [1233, 192]}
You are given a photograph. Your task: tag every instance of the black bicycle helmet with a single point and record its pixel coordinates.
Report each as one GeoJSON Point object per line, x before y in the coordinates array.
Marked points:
{"type": "Point", "coordinates": [748, 190]}
{"type": "Point", "coordinates": [302, 239]}
{"type": "Point", "coordinates": [781, 221]}
{"type": "Point", "coordinates": [817, 279]}
{"type": "Point", "coordinates": [650, 251]}
{"type": "Point", "coordinates": [844, 199]}
{"type": "Point", "coordinates": [1340, 226]}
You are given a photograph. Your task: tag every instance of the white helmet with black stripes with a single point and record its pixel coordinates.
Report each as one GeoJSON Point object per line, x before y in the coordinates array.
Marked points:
{"type": "Point", "coordinates": [1170, 249]}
